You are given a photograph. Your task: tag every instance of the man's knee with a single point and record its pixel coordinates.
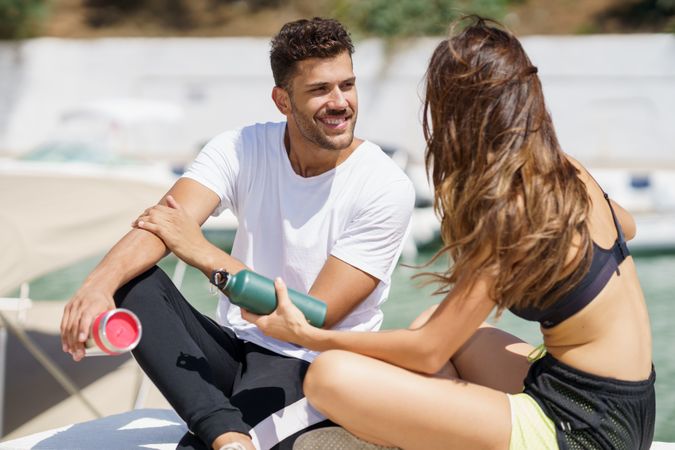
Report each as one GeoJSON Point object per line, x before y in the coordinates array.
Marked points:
{"type": "Point", "coordinates": [145, 287]}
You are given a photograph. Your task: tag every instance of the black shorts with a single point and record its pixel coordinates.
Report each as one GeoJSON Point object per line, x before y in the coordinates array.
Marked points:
{"type": "Point", "coordinates": [592, 412]}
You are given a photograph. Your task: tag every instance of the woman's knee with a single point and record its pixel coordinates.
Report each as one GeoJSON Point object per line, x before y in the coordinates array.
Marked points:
{"type": "Point", "coordinates": [328, 377]}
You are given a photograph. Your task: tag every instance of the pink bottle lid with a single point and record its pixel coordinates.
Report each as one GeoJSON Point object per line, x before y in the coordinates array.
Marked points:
{"type": "Point", "coordinates": [117, 331]}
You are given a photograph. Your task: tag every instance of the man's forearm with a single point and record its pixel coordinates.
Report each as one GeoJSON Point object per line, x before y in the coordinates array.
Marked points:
{"type": "Point", "coordinates": [135, 253]}
{"type": "Point", "coordinates": [212, 258]}
{"type": "Point", "coordinates": [139, 250]}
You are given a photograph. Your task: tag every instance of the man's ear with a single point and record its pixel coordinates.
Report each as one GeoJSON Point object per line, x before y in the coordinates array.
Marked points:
{"type": "Point", "coordinates": [282, 100]}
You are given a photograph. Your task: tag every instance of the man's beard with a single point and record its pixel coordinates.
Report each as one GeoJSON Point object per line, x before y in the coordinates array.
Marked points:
{"type": "Point", "coordinates": [313, 133]}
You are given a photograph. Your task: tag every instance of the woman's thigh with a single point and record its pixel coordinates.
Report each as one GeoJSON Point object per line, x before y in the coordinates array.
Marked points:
{"type": "Point", "coordinates": [491, 357]}
{"type": "Point", "coordinates": [394, 406]}
{"type": "Point", "coordinates": [495, 359]}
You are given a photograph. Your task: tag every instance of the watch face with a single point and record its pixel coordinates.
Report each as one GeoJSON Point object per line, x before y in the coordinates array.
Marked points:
{"type": "Point", "coordinates": [219, 278]}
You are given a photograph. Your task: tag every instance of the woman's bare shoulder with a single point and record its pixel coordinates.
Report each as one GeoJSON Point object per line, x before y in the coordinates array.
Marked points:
{"type": "Point", "coordinates": [596, 192]}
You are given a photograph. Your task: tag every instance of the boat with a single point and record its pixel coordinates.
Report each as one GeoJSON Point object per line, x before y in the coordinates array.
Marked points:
{"type": "Point", "coordinates": [647, 193]}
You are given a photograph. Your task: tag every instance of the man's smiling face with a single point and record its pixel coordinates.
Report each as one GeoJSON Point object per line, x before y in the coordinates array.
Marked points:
{"type": "Point", "coordinates": [324, 101]}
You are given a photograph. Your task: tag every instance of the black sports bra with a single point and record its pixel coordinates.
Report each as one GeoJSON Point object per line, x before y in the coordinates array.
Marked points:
{"type": "Point", "coordinates": [604, 262]}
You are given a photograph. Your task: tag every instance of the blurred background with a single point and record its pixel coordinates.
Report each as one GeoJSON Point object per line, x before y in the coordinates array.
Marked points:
{"type": "Point", "coordinates": [104, 102]}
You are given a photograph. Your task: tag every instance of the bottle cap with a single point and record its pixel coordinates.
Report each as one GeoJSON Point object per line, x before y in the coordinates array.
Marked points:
{"type": "Point", "coordinates": [116, 331]}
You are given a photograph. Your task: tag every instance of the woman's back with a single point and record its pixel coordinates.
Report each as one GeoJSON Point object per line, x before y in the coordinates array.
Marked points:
{"type": "Point", "coordinates": [611, 336]}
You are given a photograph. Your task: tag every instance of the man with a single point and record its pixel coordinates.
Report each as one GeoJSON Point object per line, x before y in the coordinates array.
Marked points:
{"type": "Point", "coordinates": [317, 207]}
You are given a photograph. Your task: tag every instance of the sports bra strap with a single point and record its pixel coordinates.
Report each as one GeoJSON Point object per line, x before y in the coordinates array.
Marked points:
{"type": "Point", "coordinates": [621, 240]}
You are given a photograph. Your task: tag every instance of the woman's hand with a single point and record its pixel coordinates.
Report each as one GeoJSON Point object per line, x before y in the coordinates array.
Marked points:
{"type": "Point", "coordinates": [286, 323]}
{"type": "Point", "coordinates": [173, 225]}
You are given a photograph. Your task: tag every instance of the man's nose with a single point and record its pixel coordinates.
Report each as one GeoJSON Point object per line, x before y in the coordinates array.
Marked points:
{"type": "Point", "coordinates": [338, 100]}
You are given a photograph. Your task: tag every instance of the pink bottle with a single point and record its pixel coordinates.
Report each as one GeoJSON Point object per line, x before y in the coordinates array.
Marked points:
{"type": "Point", "coordinates": [113, 332]}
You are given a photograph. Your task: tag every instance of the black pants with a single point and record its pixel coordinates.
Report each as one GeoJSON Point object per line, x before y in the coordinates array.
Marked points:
{"type": "Point", "coordinates": [215, 381]}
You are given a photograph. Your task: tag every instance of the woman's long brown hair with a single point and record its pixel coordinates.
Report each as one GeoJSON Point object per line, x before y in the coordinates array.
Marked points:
{"type": "Point", "coordinates": [511, 204]}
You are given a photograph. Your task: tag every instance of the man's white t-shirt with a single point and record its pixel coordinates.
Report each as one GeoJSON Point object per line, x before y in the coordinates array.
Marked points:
{"type": "Point", "coordinates": [358, 212]}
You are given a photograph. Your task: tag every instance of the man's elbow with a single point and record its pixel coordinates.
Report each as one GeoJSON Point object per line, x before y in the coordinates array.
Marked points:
{"type": "Point", "coordinates": [332, 320]}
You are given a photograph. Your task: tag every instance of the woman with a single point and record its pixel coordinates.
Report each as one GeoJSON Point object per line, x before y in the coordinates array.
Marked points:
{"type": "Point", "coordinates": [528, 230]}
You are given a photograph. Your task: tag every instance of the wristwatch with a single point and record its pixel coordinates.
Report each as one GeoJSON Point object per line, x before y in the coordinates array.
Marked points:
{"type": "Point", "coordinates": [219, 278]}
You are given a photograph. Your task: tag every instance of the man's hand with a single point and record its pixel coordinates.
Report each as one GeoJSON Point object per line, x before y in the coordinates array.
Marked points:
{"type": "Point", "coordinates": [78, 315]}
{"type": "Point", "coordinates": [138, 251]}
{"type": "Point", "coordinates": [174, 226]}
{"type": "Point", "coordinates": [286, 323]}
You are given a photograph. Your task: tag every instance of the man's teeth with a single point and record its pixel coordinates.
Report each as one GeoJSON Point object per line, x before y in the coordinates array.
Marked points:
{"type": "Point", "coordinates": [334, 121]}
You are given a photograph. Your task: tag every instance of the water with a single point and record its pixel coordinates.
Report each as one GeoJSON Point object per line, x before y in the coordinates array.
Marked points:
{"type": "Point", "coordinates": [408, 298]}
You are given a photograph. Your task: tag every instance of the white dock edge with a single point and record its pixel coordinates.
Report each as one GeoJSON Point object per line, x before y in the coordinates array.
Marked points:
{"type": "Point", "coordinates": [159, 429]}
{"type": "Point", "coordinates": [663, 445]}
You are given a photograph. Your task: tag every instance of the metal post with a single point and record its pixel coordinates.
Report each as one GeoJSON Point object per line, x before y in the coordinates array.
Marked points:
{"type": "Point", "coordinates": [3, 364]}
{"type": "Point", "coordinates": [48, 364]}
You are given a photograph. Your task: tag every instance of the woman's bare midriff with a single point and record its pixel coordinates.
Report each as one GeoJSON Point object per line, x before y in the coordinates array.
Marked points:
{"type": "Point", "coordinates": [611, 336]}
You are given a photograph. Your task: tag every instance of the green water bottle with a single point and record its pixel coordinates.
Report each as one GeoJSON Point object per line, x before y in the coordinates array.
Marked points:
{"type": "Point", "coordinates": [256, 293]}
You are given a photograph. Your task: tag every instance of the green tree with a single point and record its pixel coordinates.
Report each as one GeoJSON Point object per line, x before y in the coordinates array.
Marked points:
{"type": "Point", "coordinates": [21, 18]}
{"type": "Point", "coordinates": [639, 16]}
{"type": "Point", "coordinates": [403, 18]}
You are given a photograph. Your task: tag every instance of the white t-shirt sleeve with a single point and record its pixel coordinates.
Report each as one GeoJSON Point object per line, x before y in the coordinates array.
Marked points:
{"type": "Point", "coordinates": [217, 168]}
{"type": "Point", "coordinates": [373, 240]}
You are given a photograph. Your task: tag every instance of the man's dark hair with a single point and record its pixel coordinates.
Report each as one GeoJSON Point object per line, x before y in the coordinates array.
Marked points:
{"type": "Point", "coordinates": [304, 39]}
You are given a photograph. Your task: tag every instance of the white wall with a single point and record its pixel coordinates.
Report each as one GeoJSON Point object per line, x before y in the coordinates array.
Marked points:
{"type": "Point", "coordinates": [612, 97]}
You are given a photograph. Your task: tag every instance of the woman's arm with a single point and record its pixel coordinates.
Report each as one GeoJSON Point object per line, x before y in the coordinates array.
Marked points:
{"type": "Point", "coordinates": [626, 220]}
{"type": "Point", "coordinates": [425, 349]}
